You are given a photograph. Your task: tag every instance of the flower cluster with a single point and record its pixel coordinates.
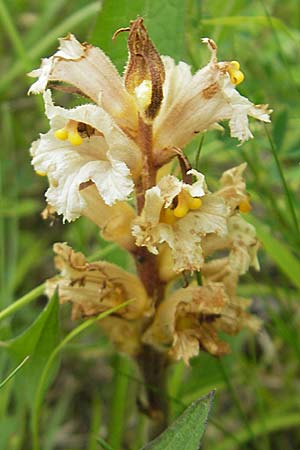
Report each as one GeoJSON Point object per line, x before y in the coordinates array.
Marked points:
{"type": "Point", "coordinates": [102, 160]}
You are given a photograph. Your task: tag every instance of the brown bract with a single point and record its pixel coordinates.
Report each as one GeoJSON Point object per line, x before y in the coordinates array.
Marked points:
{"type": "Point", "coordinates": [144, 64]}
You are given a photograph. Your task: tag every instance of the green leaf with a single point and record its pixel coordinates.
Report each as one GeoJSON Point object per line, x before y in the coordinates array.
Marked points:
{"type": "Point", "coordinates": [280, 253]}
{"type": "Point", "coordinates": [164, 21]}
{"type": "Point", "coordinates": [38, 342]}
{"type": "Point", "coordinates": [188, 429]}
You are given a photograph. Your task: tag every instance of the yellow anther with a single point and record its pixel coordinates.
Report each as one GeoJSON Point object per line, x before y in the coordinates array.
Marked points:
{"type": "Point", "coordinates": [245, 206]}
{"type": "Point", "coordinates": [235, 65]}
{"type": "Point", "coordinates": [182, 207]}
{"type": "Point", "coordinates": [40, 173]}
{"type": "Point", "coordinates": [194, 202]}
{"type": "Point", "coordinates": [185, 203]}
{"type": "Point", "coordinates": [236, 75]}
{"type": "Point", "coordinates": [61, 134]}
{"type": "Point", "coordinates": [74, 138]}
{"type": "Point", "coordinates": [69, 132]}
{"type": "Point", "coordinates": [143, 93]}
{"type": "Point", "coordinates": [167, 216]}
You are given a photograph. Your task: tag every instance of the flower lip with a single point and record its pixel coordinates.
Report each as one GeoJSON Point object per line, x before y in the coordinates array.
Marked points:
{"type": "Point", "coordinates": [105, 158]}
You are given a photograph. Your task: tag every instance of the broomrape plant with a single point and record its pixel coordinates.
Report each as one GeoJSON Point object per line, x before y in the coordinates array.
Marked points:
{"type": "Point", "coordinates": [103, 161]}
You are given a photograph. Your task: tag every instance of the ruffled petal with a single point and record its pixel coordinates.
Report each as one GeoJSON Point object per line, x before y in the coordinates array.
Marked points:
{"type": "Point", "coordinates": [185, 234]}
{"type": "Point", "coordinates": [68, 169]}
{"type": "Point", "coordinates": [121, 147]}
{"type": "Point", "coordinates": [194, 104]}
{"type": "Point", "coordinates": [90, 71]}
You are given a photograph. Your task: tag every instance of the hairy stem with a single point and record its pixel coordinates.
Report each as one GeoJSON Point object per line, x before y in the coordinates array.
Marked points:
{"type": "Point", "coordinates": [145, 141]}
{"type": "Point", "coordinates": [153, 364]}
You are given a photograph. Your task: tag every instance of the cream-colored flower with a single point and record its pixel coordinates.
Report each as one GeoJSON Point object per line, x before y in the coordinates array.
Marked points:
{"type": "Point", "coordinates": [91, 73]}
{"type": "Point", "coordinates": [190, 319]}
{"type": "Point", "coordinates": [240, 242]}
{"type": "Point", "coordinates": [196, 103]}
{"type": "Point", "coordinates": [103, 155]}
{"type": "Point", "coordinates": [233, 189]}
{"type": "Point", "coordinates": [222, 271]}
{"type": "Point", "coordinates": [96, 287]}
{"type": "Point", "coordinates": [180, 215]}
{"type": "Point", "coordinates": [114, 221]}
{"type": "Point", "coordinates": [167, 96]}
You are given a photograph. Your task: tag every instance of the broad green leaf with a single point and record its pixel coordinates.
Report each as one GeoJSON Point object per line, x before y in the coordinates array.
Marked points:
{"type": "Point", "coordinates": [37, 341]}
{"type": "Point", "coordinates": [278, 252]}
{"type": "Point", "coordinates": [187, 431]}
{"type": "Point", "coordinates": [164, 21]}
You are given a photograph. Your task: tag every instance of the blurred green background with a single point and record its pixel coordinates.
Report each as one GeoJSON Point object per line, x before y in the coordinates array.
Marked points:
{"type": "Point", "coordinates": [257, 403]}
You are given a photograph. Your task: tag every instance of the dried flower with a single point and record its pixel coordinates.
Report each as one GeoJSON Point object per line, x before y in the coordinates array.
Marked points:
{"type": "Point", "coordinates": [191, 318]}
{"type": "Point", "coordinates": [96, 287]}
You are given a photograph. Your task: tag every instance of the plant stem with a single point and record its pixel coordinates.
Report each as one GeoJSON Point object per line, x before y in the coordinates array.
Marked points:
{"type": "Point", "coordinates": [153, 365]}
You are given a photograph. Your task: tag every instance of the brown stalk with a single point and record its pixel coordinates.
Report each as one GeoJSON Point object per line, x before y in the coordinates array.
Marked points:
{"type": "Point", "coordinates": [153, 364]}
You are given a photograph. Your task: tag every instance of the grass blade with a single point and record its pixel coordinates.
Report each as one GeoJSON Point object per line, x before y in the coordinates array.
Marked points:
{"type": "Point", "coordinates": [12, 374]}
{"type": "Point", "coordinates": [23, 301]}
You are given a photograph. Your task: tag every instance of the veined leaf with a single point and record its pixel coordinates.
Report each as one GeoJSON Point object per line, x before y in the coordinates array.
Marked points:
{"type": "Point", "coordinates": [37, 341]}
{"type": "Point", "coordinates": [188, 429]}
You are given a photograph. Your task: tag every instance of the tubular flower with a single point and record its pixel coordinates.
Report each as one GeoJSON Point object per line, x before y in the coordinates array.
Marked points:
{"type": "Point", "coordinates": [176, 103]}
{"type": "Point", "coordinates": [240, 242]}
{"type": "Point", "coordinates": [98, 155]}
{"type": "Point", "coordinates": [95, 287]}
{"type": "Point", "coordinates": [233, 189]}
{"type": "Point", "coordinates": [123, 333]}
{"type": "Point", "coordinates": [190, 319]}
{"type": "Point", "coordinates": [196, 103]}
{"type": "Point", "coordinates": [114, 221]}
{"type": "Point", "coordinates": [180, 215]}
{"type": "Point", "coordinates": [103, 157]}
